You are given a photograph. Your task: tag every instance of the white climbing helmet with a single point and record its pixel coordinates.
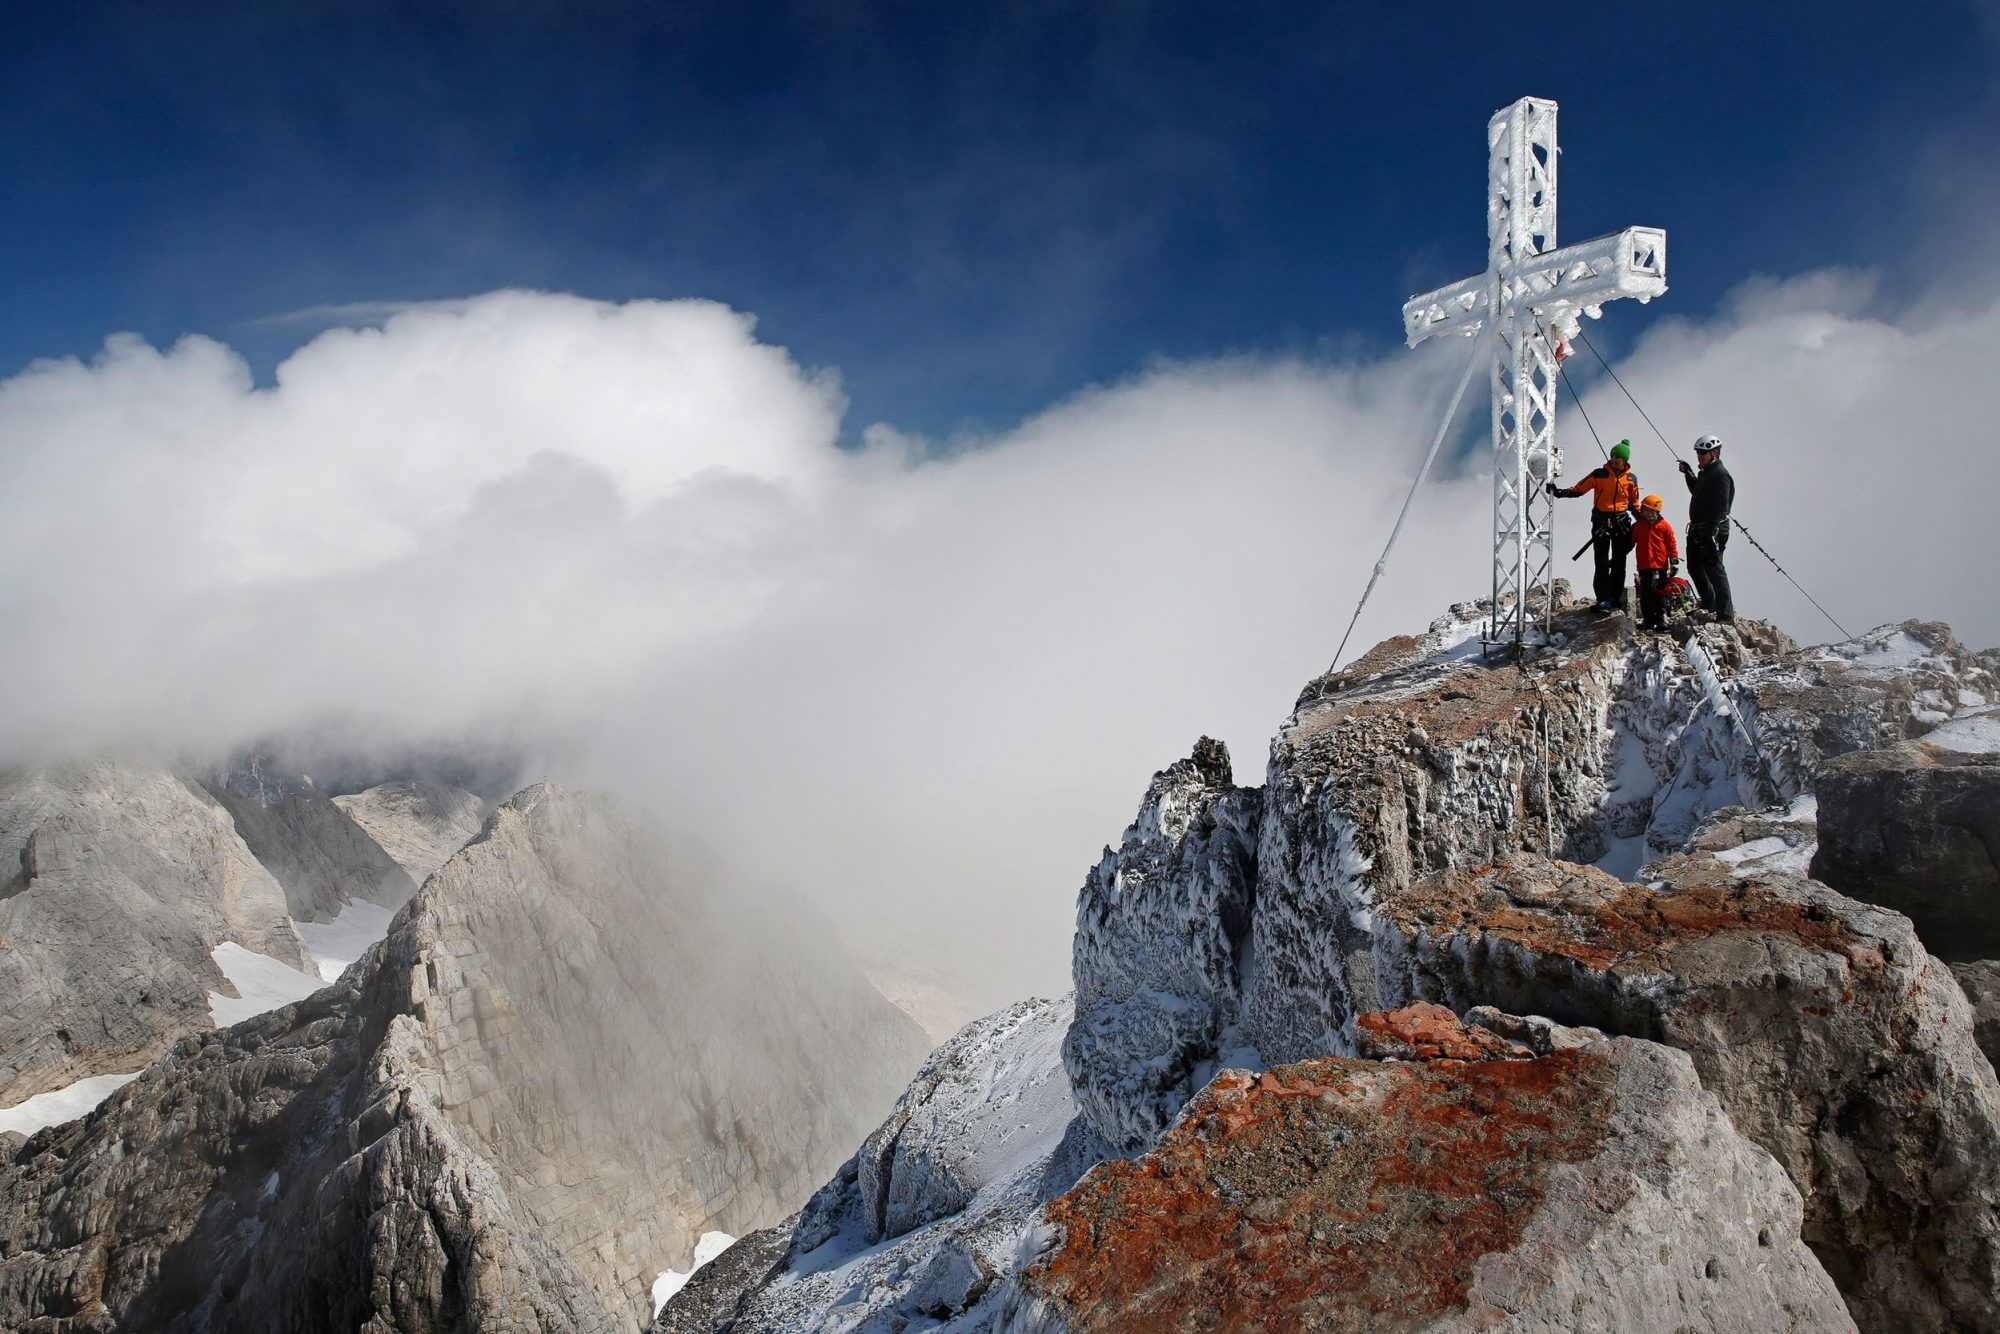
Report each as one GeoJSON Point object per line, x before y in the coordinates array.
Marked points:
{"type": "Point", "coordinates": [1706, 443]}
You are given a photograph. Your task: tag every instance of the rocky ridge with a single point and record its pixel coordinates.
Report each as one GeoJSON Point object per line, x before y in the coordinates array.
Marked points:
{"type": "Point", "coordinates": [559, 1068]}
{"type": "Point", "coordinates": [420, 825]}
{"type": "Point", "coordinates": [127, 877]}
{"type": "Point", "coordinates": [318, 853]}
{"type": "Point", "coordinates": [1425, 836]}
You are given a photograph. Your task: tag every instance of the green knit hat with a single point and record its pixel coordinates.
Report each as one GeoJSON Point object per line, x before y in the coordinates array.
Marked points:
{"type": "Point", "coordinates": [1622, 450]}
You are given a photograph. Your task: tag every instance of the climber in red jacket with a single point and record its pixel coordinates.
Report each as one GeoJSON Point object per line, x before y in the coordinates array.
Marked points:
{"type": "Point", "coordinates": [1659, 559]}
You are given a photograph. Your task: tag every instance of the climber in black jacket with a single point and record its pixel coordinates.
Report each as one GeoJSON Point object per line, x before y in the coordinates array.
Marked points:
{"type": "Point", "coordinates": [1712, 493]}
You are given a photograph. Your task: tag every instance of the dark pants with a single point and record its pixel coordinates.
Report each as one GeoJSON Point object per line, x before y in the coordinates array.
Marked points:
{"type": "Point", "coordinates": [1652, 599]}
{"type": "Point", "coordinates": [1705, 543]}
{"type": "Point", "coordinates": [1610, 544]}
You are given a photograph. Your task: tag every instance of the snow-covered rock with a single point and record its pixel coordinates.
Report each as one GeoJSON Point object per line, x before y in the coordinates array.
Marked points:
{"type": "Point", "coordinates": [1159, 925]}
{"type": "Point", "coordinates": [913, 1230]}
{"type": "Point", "coordinates": [1401, 773]}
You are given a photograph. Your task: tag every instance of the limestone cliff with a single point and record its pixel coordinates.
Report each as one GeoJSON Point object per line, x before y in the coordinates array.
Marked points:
{"type": "Point", "coordinates": [313, 847]}
{"type": "Point", "coordinates": [563, 1064]}
{"type": "Point", "coordinates": [124, 878]}
{"type": "Point", "coordinates": [418, 824]}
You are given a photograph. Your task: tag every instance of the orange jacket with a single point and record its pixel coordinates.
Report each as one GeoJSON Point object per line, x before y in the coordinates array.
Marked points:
{"type": "Point", "coordinates": [1653, 543]}
{"type": "Point", "coordinates": [1610, 491]}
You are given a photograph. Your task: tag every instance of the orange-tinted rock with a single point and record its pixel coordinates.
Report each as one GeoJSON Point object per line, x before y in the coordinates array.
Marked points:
{"type": "Point", "coordinates": [1832, 1039]}
{"type": "Point", "coordinates": [1426, 1032]}
{"type": "Point", "coordinates": [1354, 1195]}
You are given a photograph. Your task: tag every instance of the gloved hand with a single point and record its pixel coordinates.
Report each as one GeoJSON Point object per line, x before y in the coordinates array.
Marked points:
{"type": "Point", "coordinates": [1549, 487]}
{"type": "Point", "coordinates": [1687, 469]}
{"type": "Point", "coordinates": [1673, 568]}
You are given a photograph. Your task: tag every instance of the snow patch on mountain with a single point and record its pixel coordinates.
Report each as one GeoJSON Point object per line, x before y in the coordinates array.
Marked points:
{"type": "Point", "coordinates": [63, 1104]}
{"type": "Point", "coordinates": [336, 944]}
{"type": "Point", "coordinates": [262, 984]}
{"type": "Point", "coordinates": [671, 1281]}
{"type": "Point", "coordinates": [1971, 734]}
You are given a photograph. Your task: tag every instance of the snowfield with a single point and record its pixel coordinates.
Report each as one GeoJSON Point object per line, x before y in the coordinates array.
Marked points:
{"type": "Point", "coordinates": [262, 984]}
{"type": "Point", "coordinates": [338, 943]}
{"type": "Point", "coordinates": [672, 1281]}
{"type": "Point", "coordinates": [63, 1104]}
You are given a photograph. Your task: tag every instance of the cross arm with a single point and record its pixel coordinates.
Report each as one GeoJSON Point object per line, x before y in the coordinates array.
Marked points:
{"type": "Point", "coordinates": [1559, 286]}
{"type": "Point", "coordinates": [1457, 309]}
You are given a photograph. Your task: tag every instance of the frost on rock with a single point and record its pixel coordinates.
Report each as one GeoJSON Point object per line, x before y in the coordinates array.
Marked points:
{"type": "Point", "coordinates": [1159, 924]}
{"type": "Point", "coordinates": [1422, 760]}
{"type": "Point", "coordinates": [915, 1228]}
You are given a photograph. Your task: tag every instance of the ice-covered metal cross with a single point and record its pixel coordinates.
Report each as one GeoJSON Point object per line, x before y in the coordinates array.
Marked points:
{"type": "Point", "coordinates": [1535, 296]}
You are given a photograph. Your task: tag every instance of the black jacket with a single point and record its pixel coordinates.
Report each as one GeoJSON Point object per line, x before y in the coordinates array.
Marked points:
{"type": "Point", "coordinates": [1713, 492]}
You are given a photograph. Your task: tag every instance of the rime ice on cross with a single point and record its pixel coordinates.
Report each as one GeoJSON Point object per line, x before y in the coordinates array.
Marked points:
{"type": "Point", "coordinates": [1535, 296]}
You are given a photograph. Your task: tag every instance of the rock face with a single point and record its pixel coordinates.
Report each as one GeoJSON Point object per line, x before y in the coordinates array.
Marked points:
{"type": "Point", "coordinates": [1599, 853]}
{"type": "Point", "coordinates": [1179, 885]}
{"type": "Point", "coordinates": [320, 855]}
{"type": "Point", "coordinates": [418, 824]}
{"type": "Point", "coordinates": [124, 878]}
{"type": "Point", "coordinates": [1916, 827]}
{"type": "Point", "coordinates": [1832, 1040]}
{"type": "Point", "coordinates": [1980, 981]}
{"type": "Point", "coordinates": [916, 1226]}
{"type": "Point", "coordinates": [291, 1173]}
{"type": "Point", "coordinates": [1595, 1188]}
{"type": "Point", "coordinates": [562, 1065]}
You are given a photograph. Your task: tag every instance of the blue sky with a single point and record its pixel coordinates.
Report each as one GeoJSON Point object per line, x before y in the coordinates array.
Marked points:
{"type": "Point", "coordinates": [969, 211]}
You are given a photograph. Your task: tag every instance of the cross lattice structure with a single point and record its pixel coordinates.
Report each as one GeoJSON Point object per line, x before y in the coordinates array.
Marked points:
{"type": "Point", "coordinates": [1534, 296]}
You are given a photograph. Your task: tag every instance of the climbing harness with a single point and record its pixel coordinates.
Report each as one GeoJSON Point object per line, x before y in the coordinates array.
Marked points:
{"type": "Point", "coordinates": [1450, 413]}
{"type": "Point", "coordinates": [1735, 522]}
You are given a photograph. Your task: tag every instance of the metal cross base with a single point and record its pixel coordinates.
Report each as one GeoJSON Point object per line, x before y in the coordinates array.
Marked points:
{"type": "Point", "coordinates": [1535, 297]}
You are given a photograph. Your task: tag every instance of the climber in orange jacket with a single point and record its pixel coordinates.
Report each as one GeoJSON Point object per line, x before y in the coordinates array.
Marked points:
{"type": "Point", "coordinates": [1659, 559]}
{"type": "Point", "coordinates": [1614, 492]}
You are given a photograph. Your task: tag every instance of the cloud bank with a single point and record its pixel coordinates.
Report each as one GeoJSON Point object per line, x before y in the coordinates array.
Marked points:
{"type": "Point", "coordinates": [924, 684]}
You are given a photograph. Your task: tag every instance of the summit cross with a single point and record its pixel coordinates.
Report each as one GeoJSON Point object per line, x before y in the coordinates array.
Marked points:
{"type": "Point", "coordinates": [1535, 296]}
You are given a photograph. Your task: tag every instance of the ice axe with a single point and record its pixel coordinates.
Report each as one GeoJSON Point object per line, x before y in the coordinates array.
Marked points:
{"type": "Point", "coordinates": [1585, 547]}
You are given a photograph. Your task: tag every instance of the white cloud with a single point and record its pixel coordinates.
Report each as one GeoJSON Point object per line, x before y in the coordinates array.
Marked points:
{"type": "Point", "coordinates": [923, 686]}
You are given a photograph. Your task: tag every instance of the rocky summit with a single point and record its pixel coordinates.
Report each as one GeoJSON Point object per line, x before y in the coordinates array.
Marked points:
{"type": "Point", "coordinates": [1572, 991]}
{"type": "Point", "coordinates": [565, 1062]}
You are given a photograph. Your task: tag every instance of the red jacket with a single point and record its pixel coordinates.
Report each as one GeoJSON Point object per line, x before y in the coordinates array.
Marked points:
{"type": "Point", "coordinates": [1654, 544]}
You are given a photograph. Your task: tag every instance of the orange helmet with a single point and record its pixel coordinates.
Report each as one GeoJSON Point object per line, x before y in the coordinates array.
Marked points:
{"type": "Point", "coordinates": [1652, 504]}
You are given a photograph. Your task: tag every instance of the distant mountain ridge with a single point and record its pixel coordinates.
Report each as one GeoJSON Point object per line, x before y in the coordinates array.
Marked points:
{"type": "Point", "coordinates": [565, 1062]}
